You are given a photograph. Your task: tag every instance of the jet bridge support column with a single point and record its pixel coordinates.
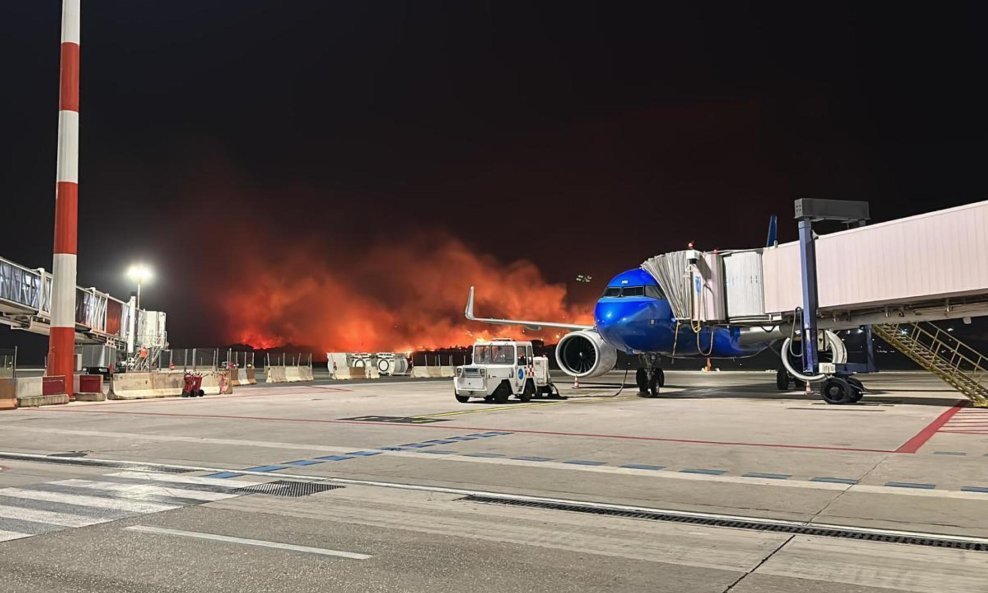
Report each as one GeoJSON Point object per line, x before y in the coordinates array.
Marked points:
{"type": "Point", "coordinates": [807, 257]}
{"type": "Point", "coordinates": [809, 211]}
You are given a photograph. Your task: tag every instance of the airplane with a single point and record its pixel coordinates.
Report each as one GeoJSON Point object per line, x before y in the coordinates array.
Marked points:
{"type": "Point", "coordinates": [634, 316]}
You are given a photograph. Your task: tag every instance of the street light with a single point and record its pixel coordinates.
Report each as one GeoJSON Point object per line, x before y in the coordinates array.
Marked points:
{"type": "Point", "coordinates": [139, 273]}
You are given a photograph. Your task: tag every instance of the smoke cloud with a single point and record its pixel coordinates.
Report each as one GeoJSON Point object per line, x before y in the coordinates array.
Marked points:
{"type": "Point", "coordinates": [393, 295]}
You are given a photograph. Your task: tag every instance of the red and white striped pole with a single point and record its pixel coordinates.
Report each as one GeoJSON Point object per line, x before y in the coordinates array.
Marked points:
{"type": "Point", "coordinates": [61, 340]}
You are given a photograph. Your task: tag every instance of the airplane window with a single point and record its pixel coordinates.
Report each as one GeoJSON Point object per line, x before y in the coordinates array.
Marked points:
{"type": "Point", "coordinates": [655, 292]}
{"type": "Point", "coordinates": [612, 291]}
{"type": "Point", "coordinates": [633, 291]}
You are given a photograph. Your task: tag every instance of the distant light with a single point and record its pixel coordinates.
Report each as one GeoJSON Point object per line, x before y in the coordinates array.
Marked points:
{"type": "Point", "coordinates": [585, 278]}
{"type": "Point", "coordinates": [139, 272]}
{"type": "Point", "coordinates": [950, 329]}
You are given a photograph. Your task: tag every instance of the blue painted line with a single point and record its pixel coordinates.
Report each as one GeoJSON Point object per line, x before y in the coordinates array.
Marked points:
{"type": "Point", "coordinates": [949, 453]}
{"type": "Point", "coordinates": [392, 448]}
{"type": "Point", "coordinates": [445, 441]}
{"type": "Point", "coordinates": [709, 472]}
{"type": "Point", "coordinates": [302, 462]}
{"type": "Point", "coordinates": [911, 485]}
{"type": "Point", "coordinates": [434, 441]}
{"type": "Point", "coordinates": [642, 466]}
{"type": "Point", "coordinates": [769, 476]}
{"type": "Point", "coordinates": [974, 489]}
{"type": "Point", "coordinates": [463, 438]}
{"type": "Point", "coordinates": [266, 468]}
{"type": "Point", "coordinates": [483, 455]}
{"type": "Point", "coordinates": [224, 475]}
{"type": "Point", "coordinates": [334, 458]}
{"type": "Point", "coordinates": [532, 458]}
{"type": "Point", "coordinates": [835, 480]}
{"type": "Point", "coordinates": [364, 453]}
{"type": "Point", "coordinates": [440, 452]}
{"type": "Point", "coordinates": [585, 462]}
{"type": "Point", "coordinates": [418, 445]}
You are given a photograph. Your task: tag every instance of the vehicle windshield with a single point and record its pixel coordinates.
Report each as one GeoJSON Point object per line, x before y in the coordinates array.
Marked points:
{"type": "Point", "coordinates": [493, 354]}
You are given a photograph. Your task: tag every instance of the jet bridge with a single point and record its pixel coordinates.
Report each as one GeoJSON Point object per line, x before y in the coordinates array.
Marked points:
{"type": "Point", "coordinates": [894, 276]}
{"type": "Point", "coordinates": [25, 304]}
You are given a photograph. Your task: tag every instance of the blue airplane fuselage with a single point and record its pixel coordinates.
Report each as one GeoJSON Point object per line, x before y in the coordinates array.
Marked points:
{"type": "Point", "coordinates": [635, 317]}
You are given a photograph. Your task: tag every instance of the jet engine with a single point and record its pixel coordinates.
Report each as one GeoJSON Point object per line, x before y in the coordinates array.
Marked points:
{"type": "Point", "coordinates": [585, 354]}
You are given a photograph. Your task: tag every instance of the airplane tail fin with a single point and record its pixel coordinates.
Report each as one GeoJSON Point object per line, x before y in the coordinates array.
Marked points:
{"type": "Point", "coordinates": [773, 228]}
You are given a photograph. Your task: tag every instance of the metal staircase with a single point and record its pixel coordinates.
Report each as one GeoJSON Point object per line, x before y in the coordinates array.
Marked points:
{"type": "Point", "coordinates": [959, 365]}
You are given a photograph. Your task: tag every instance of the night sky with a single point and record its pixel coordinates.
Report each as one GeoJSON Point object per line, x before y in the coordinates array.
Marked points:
{"type": "Point", "coordinates": [218, 138]}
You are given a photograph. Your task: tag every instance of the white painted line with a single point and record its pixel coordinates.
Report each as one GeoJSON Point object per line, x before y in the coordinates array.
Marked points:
{"type": "Point", "coordinates": [248, 542]}
{"type": "Point", "coordinates": [138, 490]}
{"type": "Point", "coordinates": [47, 517]}
{"type": "Point", "coordinates": [116, 504]}
{"type": "Point", "coordinates": [6, 536]}
{"type": "Point", "coordinates": [134, 436]}
{"type": "Point", "coordinates": [229, 483]}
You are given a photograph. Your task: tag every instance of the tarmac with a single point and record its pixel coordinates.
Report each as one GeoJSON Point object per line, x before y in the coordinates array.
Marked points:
{"type": "Point", "coordinates": [720, 484]}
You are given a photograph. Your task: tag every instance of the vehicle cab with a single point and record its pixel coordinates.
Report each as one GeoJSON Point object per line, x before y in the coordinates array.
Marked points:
{"type": "Point", "coordinates": [502, 368]}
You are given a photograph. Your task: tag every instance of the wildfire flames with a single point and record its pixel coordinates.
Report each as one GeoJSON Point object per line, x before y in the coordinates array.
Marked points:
{"type": "Point", "coordinates": [392, 297]}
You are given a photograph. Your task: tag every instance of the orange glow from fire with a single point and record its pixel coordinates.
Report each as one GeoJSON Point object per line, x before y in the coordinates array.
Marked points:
{"type": "Point", "coordinates": [392, 297]}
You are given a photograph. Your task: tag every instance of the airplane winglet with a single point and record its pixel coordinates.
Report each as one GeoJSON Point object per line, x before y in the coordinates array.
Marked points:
{"type": "Point", "coordinates": [469, 311]}
{"type": "Point", "coordinates": [533, 325]}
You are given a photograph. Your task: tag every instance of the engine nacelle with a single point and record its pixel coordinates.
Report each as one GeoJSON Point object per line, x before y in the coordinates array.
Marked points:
{"type": "Point", "coordinates": [585, 354]}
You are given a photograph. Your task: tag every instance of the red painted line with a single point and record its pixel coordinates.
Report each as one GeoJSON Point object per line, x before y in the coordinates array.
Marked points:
{"type": "Point", "coordinates": [66, 217]}
{"type": "Point", "coordinates": [913, 445]}
{"type": "Point", "coordinates": [444, 426]}
{"type": "Point", "coordinates": [69, 77]}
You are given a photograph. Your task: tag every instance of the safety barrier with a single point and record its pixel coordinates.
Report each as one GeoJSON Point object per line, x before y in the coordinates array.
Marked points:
{"type": "Point", "coordinates": [292, 374]}
{"type": "Point", "coordinates": [40, 391]}
{"type": "Point", "coordinates": [89, 388]}
{"type": "Point", "coordinates": [165, 384]}
{"type": "Point", "coordinates": [8, 393]}
{"type": "Point", "coordinates": [275, 375]}
{"type": "Point", "coordinates": [432, 372]}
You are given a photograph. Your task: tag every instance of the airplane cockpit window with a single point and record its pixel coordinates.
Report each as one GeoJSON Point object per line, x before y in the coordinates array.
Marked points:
{"type": "Point", "coordinates": [655, 292]}
{"type": "Point", "coordinates": [612, 291]}
{"type": "Point", "coordinates": [633, 291]}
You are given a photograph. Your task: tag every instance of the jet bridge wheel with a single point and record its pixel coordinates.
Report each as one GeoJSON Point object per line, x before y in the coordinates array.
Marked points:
{"type": "Point", "coordinates": [839, 391]}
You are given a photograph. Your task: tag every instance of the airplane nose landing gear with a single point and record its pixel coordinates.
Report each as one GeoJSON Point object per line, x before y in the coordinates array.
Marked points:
{"type": "Point", "coordinates": [649, 377]}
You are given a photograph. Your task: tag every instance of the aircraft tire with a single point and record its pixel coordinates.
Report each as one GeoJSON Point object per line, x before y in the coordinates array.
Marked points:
{"type": "Point", "coordinates": [782, 380]}
{"type": "Point", "coordinates": [662, 377]}
{"type": "Point", "coordinates": [641, 379]}
{"type": "Point", "coordinates": [653, 386]}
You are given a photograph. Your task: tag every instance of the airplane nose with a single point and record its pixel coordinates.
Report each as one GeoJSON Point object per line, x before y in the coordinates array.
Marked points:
{"type": "Point", "coordinates": [609, 314]}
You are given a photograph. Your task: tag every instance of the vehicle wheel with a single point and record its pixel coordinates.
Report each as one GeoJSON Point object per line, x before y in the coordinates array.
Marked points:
{"type": "Point", "coordinates": [201, 393]}
{"type": "Point", "coordinates": [641, 379]}
{"type": "Point", "coordinates": [528, 392]}
{"type": "Point", "coordinates": [463, 398]}
{"type": "Point", "coordinates": [782, 380]}
{"type": "Point", "coordinates": [502, 393]}
{"type": "Point", "coordinates": [662, 377]}
{"type": "Point", "coordinates": [837, 391]}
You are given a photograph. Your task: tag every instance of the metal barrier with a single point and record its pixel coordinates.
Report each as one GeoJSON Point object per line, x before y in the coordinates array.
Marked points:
{"type": "Point", "coordinates": [188, 359]}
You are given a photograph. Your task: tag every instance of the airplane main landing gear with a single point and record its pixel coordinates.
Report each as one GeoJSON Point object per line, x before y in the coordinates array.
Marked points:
{"type": "Point", "coordinates": [784, 381]}
{"type": "Point", "coordinates": [649, 377]}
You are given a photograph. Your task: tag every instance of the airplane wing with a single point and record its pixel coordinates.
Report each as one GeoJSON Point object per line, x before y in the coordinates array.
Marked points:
{"type": "Point", "coordinates": [532, 325]}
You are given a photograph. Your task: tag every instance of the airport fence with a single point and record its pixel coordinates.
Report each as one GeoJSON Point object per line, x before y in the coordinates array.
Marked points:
{"type": "Point", "coordinates": [8, 363]}
{"type": "Point", "coordinates": [288, 359]}
{"type": "Point", "coordinates": [189, 359]}
{"type": "Point", "coordinates": [238, 359]}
